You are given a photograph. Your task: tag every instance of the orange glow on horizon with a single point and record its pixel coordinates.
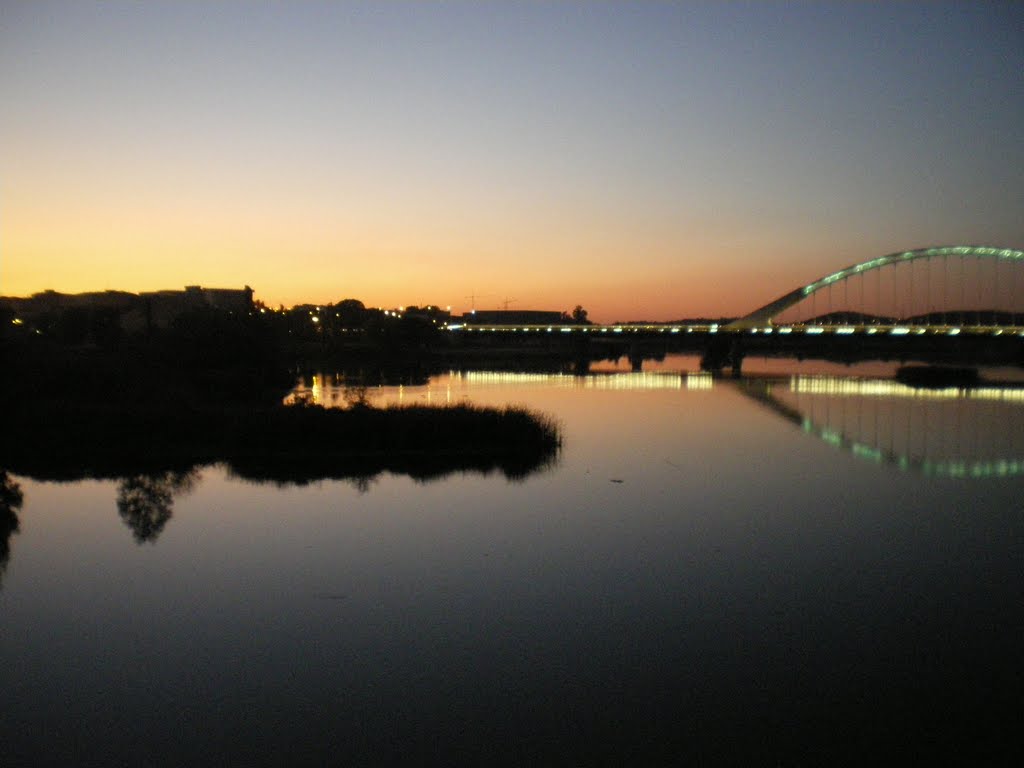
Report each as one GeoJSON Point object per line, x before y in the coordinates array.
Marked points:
{"type": "Point", "coordinates": [385, 277]}
{"type": "Point", "coordinates": [295, 255]}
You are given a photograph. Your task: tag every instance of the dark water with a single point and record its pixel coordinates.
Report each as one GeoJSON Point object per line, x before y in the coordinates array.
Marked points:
{"type": "Point", "coordinates": [798, 570]}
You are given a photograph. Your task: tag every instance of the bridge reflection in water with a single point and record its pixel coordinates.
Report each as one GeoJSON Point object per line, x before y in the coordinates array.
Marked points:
{"type": "Point", "coordinates": [970, 433]}
{"type": "Point", "coordinates": [973, 432]}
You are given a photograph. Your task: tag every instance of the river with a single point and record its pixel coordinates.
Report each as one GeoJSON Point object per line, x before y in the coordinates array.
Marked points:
{"type": "Point", "coordinates": [813, 566]}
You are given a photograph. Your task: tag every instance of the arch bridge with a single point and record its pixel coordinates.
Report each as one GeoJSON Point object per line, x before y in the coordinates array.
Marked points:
{"type": "Point", "coordinates": [944, 304]}
{"type": "Point", "coordinates": [946, 288]}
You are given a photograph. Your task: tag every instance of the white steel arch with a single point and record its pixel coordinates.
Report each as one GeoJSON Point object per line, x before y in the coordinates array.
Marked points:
{"type": "Point", "coordinates": [766, 314]}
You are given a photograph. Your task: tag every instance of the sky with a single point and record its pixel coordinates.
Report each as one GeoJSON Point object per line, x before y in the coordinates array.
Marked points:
{"type": "Point", "coordinates": [646, 160]}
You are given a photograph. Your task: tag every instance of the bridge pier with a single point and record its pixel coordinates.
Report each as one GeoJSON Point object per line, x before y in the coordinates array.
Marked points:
{"type": "Point", "coordinates": [636, 357]}
{"type": "Point", "coordinates": [737, 362]}
{"type": "Point", "coordinates": [722, 351]}
{"type": "Point", "coordinates": [581, 366]}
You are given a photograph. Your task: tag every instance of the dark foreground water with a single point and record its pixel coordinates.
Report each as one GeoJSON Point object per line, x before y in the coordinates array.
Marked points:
{"type": "Point", "coordinates": [807, 570]}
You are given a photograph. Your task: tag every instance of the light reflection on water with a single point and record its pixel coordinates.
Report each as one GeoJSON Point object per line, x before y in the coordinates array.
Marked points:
{"type": "Point", "coordinates": [714, 571]}
{"type": "Point", "coordinates": [967, 433]}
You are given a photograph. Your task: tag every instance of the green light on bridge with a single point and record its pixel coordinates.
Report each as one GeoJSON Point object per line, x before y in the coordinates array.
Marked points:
{"type": "Point", "coordinates": [881, 261]}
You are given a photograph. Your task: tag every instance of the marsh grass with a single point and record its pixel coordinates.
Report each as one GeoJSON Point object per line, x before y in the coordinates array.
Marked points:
{"type": "Point", "coordinates": [63, 440]}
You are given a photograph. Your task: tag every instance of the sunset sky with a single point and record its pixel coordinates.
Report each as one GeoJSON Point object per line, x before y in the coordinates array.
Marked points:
{"type": "Point", "coordinates": [646, 160]}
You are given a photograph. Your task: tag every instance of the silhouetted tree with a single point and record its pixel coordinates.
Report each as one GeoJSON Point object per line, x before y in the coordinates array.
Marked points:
{"type": "Point", "coordinates": [144, 501]}
{"type": "Point", "coordinates": [351, 312]}
{"type": "Point", "coordinates": [10, 501]}
{"type": "Point", "coordinates": [579, 315]}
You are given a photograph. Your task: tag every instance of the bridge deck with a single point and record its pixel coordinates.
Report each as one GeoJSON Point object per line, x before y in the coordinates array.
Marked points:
{"type": "Point", "coordinates": [902, 329]}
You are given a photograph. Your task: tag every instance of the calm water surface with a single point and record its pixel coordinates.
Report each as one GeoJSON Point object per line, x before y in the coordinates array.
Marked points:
{"type": "Point", "coordinates": [800, 569]}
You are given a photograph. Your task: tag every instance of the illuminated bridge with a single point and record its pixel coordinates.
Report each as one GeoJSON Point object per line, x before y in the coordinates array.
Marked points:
{"type": "Point", "coordinates": [908, 304]}
{"type": "Point", "coordinates": [950, 289]}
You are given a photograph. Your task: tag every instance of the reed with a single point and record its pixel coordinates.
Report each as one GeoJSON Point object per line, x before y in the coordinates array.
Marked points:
{"type": "Point", "coordinates": [65, 439]}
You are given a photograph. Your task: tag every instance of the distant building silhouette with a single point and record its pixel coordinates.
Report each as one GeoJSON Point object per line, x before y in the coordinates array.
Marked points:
{"type": "Point", "coordinates": [52, 301]}
{"type": "Point", "coordinates": [512, 317]}
{"type": "Point", "coordinates": [160, 308]}
{"type": "Point", "coordinates": [134, 312]}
